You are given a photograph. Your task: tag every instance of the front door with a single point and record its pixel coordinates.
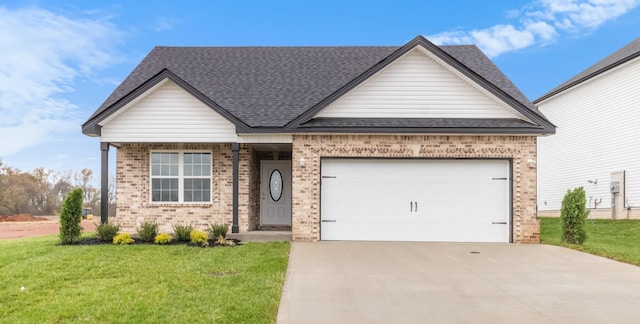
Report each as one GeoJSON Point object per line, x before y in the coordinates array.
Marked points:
{"type": "Point", "coordinates": [275, 193]}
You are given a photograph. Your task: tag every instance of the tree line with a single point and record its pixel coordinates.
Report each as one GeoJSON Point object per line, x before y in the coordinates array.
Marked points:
{"type": "Point", "coordinates": [42, 191]}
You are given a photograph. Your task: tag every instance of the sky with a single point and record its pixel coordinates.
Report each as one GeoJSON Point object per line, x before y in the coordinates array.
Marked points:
{"type": "Point", "coordinates": [59, 60]}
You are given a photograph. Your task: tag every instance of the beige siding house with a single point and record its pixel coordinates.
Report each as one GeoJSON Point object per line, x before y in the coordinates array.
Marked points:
{"type": "Point", "coordinates": [596, 145]}
{"type": "Point", "coordinates": [410, 143]}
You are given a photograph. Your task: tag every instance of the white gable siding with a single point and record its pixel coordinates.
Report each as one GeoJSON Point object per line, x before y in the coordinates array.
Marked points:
{"type": "Point", "coordinates": [168, 114]}
{"type": "Point", "coordinates": [418, 86]}
{"type": "Point", "coordinates": [597, 134]}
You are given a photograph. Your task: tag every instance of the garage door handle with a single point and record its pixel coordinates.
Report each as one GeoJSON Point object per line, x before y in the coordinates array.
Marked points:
{"type": "Point", "coordinates": [499, 223]}
{"type": "Point", "coordinates": [328, 220]}
{"type": "Point", "coordinates": [411, 209]}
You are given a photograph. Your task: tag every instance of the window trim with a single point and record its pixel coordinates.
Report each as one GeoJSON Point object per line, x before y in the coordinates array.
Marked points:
{"type": "Point", "coordinates": [181, 177]}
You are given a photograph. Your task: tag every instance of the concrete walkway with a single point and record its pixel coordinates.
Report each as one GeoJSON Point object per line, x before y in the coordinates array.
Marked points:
{"type": "Point", "coordinates": [366, 282]}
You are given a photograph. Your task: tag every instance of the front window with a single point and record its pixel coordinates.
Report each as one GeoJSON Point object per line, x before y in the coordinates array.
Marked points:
{"type": "Point", "coordinates": [180, 177]}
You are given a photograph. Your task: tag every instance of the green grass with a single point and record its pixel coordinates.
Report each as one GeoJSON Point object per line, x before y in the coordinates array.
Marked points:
{"type": "Point", "coordinates": [139, 283]}
{"type": "Point", "coordinates": [618, 240]}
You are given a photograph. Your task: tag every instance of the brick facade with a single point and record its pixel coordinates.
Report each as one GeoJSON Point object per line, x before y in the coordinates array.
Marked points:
{"type": "Point", "coordinates": [306, 179]}
{"type": "Point", "coordinates": [133, 178]}
{"type": "Point", "coordinates": [134, 205]}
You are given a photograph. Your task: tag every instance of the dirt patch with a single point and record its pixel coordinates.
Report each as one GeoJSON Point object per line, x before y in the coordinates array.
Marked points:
{"type": "Point", "coordinates": [23, 218]}
{"type": "Point", "coordinates": [37, 228]}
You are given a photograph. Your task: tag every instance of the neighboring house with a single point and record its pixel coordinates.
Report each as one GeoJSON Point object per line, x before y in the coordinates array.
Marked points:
{"type": "Point", "coordinates": [410, 143]}
{"type": "Point", "coordinates": [597, 143]}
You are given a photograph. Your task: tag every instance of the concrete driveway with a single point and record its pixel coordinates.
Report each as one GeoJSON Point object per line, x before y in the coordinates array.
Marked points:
{"type": "Point", "coordinates": [367, 282]}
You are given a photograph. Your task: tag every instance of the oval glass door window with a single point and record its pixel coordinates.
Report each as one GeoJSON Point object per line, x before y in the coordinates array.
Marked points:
{"type": "Point", "coordinates": [275, 185]}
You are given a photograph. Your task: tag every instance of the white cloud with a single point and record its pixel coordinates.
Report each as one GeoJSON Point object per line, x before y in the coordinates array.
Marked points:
{"type": "Point", "coordinates": [43, 54]}
{"type": "Point", "coordinates": [164, 24]}
{"type": "Point", "coordinates": [540, 22]}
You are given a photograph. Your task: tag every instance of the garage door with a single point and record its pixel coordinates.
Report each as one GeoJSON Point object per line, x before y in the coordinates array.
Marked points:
{"type": "Point", "coordinates": [415, 200]}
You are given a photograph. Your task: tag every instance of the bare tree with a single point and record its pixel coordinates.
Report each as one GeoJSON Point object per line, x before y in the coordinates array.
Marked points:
{"type": "Point", "coordinates": [42, 199]}
{"type": "Point", "coordinates": [42, 190]}
{"type": "Point", "coordinates": [91, 195]}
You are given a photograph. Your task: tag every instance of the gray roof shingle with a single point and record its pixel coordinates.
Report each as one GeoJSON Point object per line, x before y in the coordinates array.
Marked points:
{"type": "Point", "coordinates": [626, 53]}
{"type": "Point", "coordinates": [271, 86]}
{"type": "Point", "coordinates": [262, 86]}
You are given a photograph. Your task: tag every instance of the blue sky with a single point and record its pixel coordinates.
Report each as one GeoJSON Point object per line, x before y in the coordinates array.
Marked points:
{"type": "Point", "coordinates": [61, 59]}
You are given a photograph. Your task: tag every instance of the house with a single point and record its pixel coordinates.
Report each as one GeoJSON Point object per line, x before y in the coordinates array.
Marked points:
{"type": "Point", "coordinates": [409, 143]}
{"type": "Point", "coordinates": [596, 145]}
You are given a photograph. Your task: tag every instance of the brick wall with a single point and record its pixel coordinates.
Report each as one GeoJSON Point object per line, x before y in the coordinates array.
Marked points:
{"type": "Point", "coordinates": [134, 205]}
{"type": "Point", "coordinates": [306, 179]}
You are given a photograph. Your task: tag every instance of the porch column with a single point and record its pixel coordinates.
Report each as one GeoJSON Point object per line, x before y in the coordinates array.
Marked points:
{"type": "Point", "coordinates": [104, 183]}
{"type": "Point", "coordinates": [235, 148]}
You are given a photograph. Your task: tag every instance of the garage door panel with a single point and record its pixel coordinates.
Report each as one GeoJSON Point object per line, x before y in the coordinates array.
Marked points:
{"type": "Point", "coordinates": [415, 200]}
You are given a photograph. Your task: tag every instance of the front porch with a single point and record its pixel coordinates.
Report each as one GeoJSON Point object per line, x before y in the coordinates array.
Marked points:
{"type": "Point", "coordinates": [250, 187]}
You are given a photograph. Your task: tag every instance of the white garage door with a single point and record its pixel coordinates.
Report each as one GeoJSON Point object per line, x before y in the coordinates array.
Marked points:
{"type": "Point", "coordinates": [415, 200]}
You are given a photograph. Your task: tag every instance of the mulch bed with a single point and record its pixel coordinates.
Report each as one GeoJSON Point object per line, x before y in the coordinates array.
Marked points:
{"type": "Point", "coordinates": [22, 218]}
{"type": "Point", "coordinates": [97, 241]}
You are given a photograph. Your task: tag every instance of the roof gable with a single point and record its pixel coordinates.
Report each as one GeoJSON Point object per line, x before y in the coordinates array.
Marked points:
{"type": "Point", "coordinates": [619, 57]}
{"type": "Point", "coordinates": [501, 87]}
{"type": "Point", "coordinates": [94, 124]}
{"type": "Point", "coordinates": [167, 113]}
{"type": "Point", "coordinates": [418, 85]}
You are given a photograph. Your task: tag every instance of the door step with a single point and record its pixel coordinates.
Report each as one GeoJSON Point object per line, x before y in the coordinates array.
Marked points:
{"type": "Point", "coordinates": [261, 236]}
{"type": "Point", "coordinates": [274, 228]}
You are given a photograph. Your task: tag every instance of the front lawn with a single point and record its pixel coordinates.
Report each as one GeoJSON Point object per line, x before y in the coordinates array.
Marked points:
{"type": "Point", "coordinates": [615, 239]}
{"type": "Point", "coordinates": [140, 283]}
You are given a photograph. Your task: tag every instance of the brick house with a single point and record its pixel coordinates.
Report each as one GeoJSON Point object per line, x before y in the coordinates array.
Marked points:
{"type": "Point", "coordinates": [412, 143]}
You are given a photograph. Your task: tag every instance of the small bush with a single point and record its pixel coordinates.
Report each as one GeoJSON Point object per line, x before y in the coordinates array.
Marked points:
{"type": "Point", "coordinates": [123, 238]}
{"type": "Point", "coordinates": [216, 230]}
{"type": "Point", "coordinates": [224, 242]}
{"type": "Point", "coordinates": [148, 231]}
{"type": "Point", "coordinates": [199, 237]}
{"type": "Point", "coordinates": [163, 238]}
{"type": "Point", "coordinates": [70, 217]}
{"type": "Point", "coordinates": [573, 214]}
{"type": "Point", "coordinates": [106, 232]}
{"type": "Point", "coordinates": [182, 232]}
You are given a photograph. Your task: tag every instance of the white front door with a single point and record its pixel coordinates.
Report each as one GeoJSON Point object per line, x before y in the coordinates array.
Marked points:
{"type": "Point", "coordinates": [275, 192]}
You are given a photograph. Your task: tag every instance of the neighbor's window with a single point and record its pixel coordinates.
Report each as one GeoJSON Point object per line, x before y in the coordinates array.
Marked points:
{"type": "Point", "coordinates": [180, 176]}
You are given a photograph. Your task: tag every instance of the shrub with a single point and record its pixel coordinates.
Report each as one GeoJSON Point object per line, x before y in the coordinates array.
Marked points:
{"type": "Point", "coordinates": [148, 231]}
{"type": "Point", "coordinates": [182, 232]}
{"type": "Point", "coordinates": [216, 230]}
{"type": "Point", "coordinates": [70, 217]}
{"type": "Point", "coordinates": [123, 238]}
{"type": "Point", "coordinates": [573, 214]}
{"type": "Point", "coordinates": [163, 238]}
{"type": "Point", "coordinates": [199, 237]}
{"type": "Point", "coordinates": [224, 242]}
{"type": "Point", "coordinates": [106, 232]}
